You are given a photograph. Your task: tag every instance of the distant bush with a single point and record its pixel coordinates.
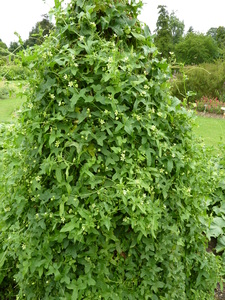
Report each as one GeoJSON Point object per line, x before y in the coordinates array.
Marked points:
{"type": "Point", "coordinates": [4, 92]}
{"type": "Point", "coordinates": [14, 72]}
{"type": "Point", "coordinates": [207, 80]}
{"type": "Point", "coordinates": [209, 105]}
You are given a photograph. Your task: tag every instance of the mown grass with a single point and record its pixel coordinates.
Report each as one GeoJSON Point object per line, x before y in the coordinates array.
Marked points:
{"type": "Point", "coordinates": [211, 130]}
{"type": "Point", "coordinates": [10, 101]}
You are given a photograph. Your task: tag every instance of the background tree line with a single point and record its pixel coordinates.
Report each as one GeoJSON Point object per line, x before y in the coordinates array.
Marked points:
{"type": "Point", "coordinates": [36, 37]}
{"type": "Point", "coordinates": [190, 48]}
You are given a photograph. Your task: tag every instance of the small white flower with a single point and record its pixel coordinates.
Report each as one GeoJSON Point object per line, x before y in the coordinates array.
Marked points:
{"type": "Point", "coordinates": [153, 127]}
{"type": "Point", "coordinates": [143, 93]}
{"type": "Point", "coordinates": [65, 76]}
{"type": "Point", "coordinates": [52, 96]}
{"type": "Point", "coordinates": [70, 84]}
{"type": "Point", "coordinates": [57, 143]}
{"type": "Point", "coordinates": [146, 87]}
{"type": "Point", "coordinates": [63, 219]}
{"type": "Point", "coordinates": [102, 122]}
{"type": "Point", "coordinates": [116, 112]}
{"type": "Point", "coordinates": [124, 192]}
{"type": "Point", "coordinates": [23, 246]}
{"type": "Point", "coordinates": [123, 157]}
{"type": "Point", "coordinates": [81, 38]}
{"type": "Point", "coordinates": [110, 59]}
{"type": "Point", "coordinates": [38, 178]}
{"type": "Point", "coordinates": [30, 105]}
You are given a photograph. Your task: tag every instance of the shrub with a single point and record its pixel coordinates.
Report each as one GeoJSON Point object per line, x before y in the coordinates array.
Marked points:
{"type": "Point", "coordinates": [205, 80]}
{"type": "Point", "coordinates": [14, 72]}
{"type": "Point", "coordinates": [209, 105]}
{"type": "Point", "coordinates": [104, 185]}
{"type": "Point", "coordinates": [196, 48]}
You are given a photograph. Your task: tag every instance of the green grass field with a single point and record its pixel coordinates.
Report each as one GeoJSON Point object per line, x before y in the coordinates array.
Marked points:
{"type": "Point", "coordinates": [211, 130]}
{"type": "Point", "coordinates": [11, 102]}
{"type": "Point", "coordinates": [8, 107]}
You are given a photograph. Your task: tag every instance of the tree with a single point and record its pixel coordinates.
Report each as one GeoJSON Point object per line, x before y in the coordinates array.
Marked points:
{"type": "Point", "coordinates": [177, 28]}
{"type": "Point", "coordinates": [163, 39]}
{"type": "Point", "coordinates": [102, 198]}
{"type": "Point", "coordinates": [3, 53]}
{"type": "Point", "coordinates": [212, 32]}
{"type": "Point", "coordinates": [196, 48]}
{"type": "Point", "coordinates": [14, 47]}
{"type": "Point", "coordinates": [3, 49]}
{"type": "Point", "coordinates": [190, 30]}
{"type": "Point", "coordinates": [39, 32]}
{"type": "Point", "coordinates": [218, 34]}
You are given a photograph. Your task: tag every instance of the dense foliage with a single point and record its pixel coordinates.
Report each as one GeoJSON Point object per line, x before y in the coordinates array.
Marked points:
{"type": "Point", "coordinates": [105, 194]}
{"type": "Point", "coordinates": [196, 49]}
{"type": "Point", "coordinates": [206, 79]}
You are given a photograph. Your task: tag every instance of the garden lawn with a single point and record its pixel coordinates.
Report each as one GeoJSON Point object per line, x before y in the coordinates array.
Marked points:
{"type": "Point", "coordinates": [8, 106]}
{"type": "Point", "coordinates": [11, 103]}
{"type": "Point", "coordinates": [211, 130]}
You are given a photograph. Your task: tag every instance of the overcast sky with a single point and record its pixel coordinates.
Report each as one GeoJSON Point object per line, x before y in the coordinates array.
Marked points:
{"type": "Point", "coordinates": [22, 15]}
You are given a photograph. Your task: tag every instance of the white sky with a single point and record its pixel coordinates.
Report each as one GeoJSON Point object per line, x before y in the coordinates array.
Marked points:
{"type": "Point", "coordinates": [22, 15]}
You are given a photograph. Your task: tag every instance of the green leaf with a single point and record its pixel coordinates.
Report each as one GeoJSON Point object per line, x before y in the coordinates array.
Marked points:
{"type": "Point", "coordinates": [77, 96]}
{"type": "Point", "coordinates": [68, 227]}
{"type": "Point", "coordinates": [138, 36]}
{"type": "Point", "coordinates": [91, 281]}
{"type": "Point", "coordinates": [58, 174]}
{"type": "Point", "coordinates": [129, 126]}
{"type": "Point", "coordinates": [61, 209]}
{"type": "Point", "coordinates": [216, 228]}
{"type": "Point", "coordinates": [2, 258]}
{"type": "Point", "coordinates": [169, 165]}
{"type": "Point", "coordinates": [52, 138]}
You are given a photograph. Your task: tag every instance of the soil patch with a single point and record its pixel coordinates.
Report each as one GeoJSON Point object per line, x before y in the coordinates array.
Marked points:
{"type": "Point", "coordinates": [210, 115]}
